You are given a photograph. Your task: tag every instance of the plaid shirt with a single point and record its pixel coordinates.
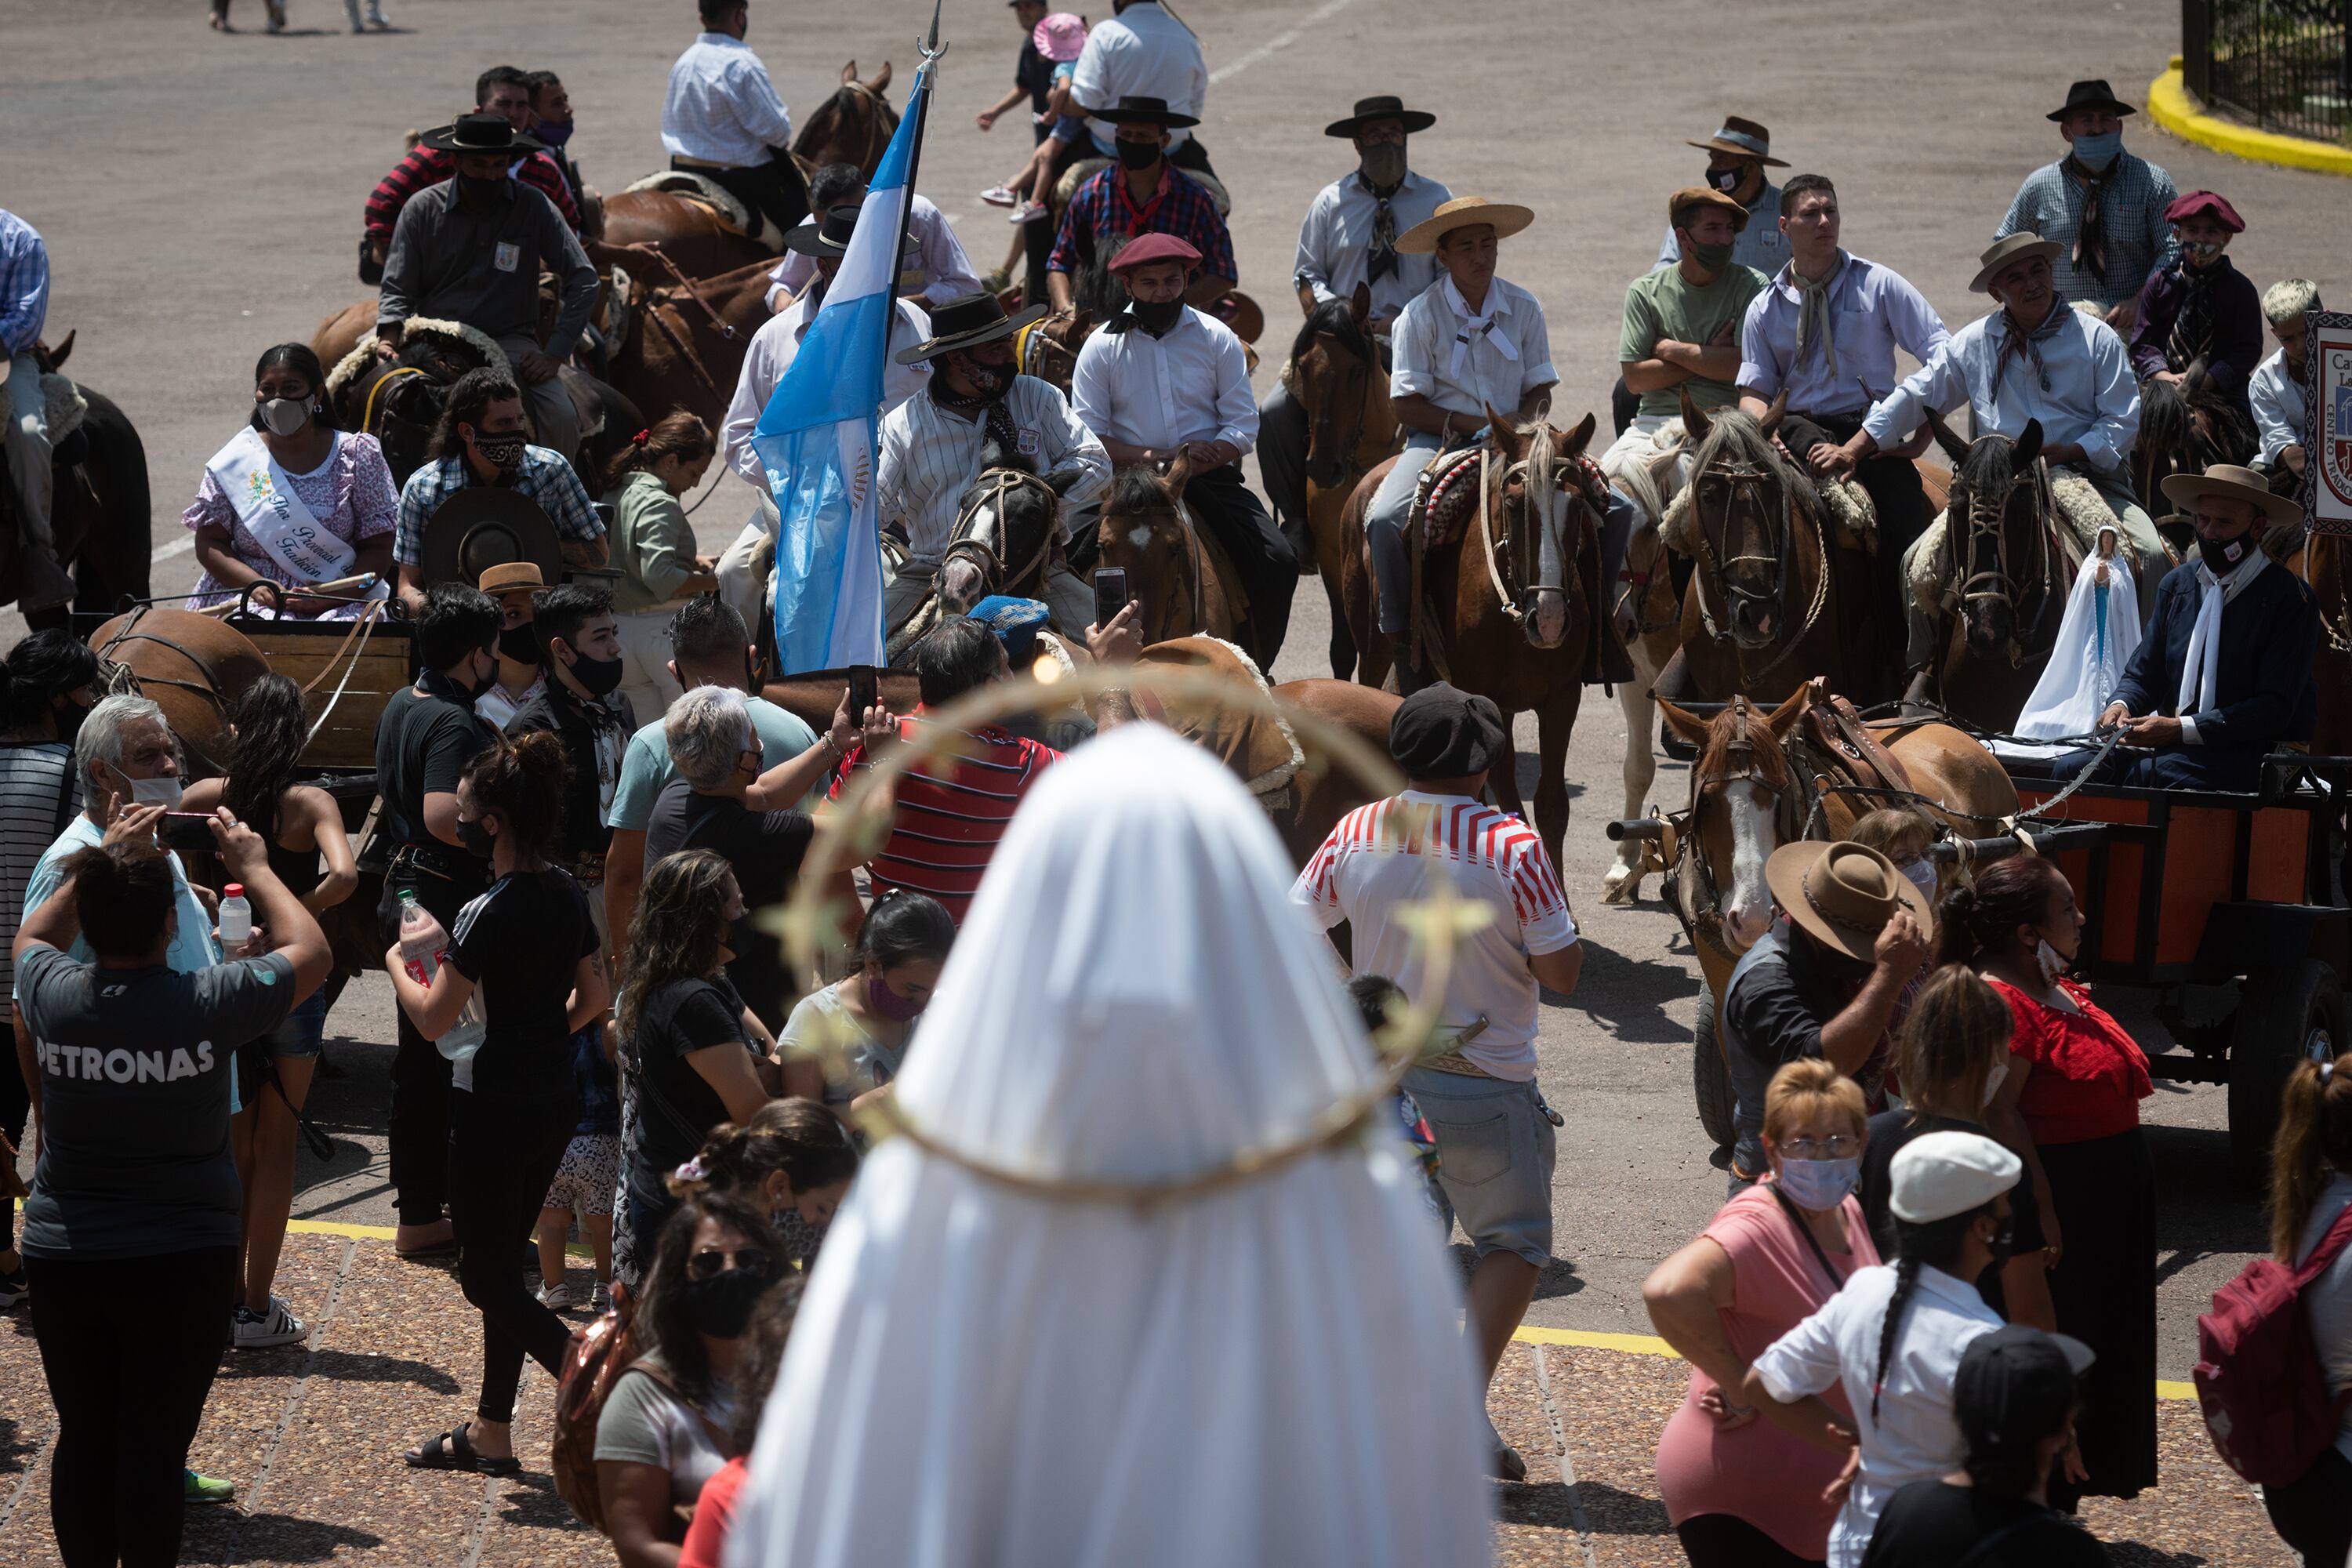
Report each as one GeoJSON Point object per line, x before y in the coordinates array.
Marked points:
{"type": "Point", "coordinates": [2139, 242]}
{"type": "Point", "coordinates": [1101, 210]}
{"type": "Point", "coordinates": [543, 477]}
{"type": "Point", "coordinates": [24, 286]}
{"type": "Point", "coordinates": [424, 168]}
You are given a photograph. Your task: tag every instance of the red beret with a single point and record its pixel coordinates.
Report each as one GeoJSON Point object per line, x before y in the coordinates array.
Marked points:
{"type": "Point", "coordinates": [2186, 207]}
{"type": "Point", "coordinates": [1145, 249]}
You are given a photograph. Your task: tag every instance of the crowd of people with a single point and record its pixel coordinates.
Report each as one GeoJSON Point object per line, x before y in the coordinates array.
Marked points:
{"type": "Point", "coordinates": [1920, 1330]}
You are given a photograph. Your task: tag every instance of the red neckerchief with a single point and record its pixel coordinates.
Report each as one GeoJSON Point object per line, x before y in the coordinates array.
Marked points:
{"type": "Point", "coordinates": [1121, 200]}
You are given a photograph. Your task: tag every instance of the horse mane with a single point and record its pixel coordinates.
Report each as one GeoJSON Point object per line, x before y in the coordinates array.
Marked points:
{"type": "Point", "coordinates": [1334, 317]}
{"type": "Point", "coordinates": [1735, 437]}
{"type": "Point", "coordinates": [1986, 469]}
{"type": "Point", "coordinates": [1739, 726]}
{"type": "Point", "coordinates": [2164, 417]}
{"type": "Point", "coordinates": [1135, 488]}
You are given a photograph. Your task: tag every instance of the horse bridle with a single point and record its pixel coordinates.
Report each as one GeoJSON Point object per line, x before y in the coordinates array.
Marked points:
{"type": "Point", "coordinates": [994, 569]}
{"type": "Point", "coordinates": [1695, 886]}
{"type": "Point", "coordinates": [1353, 446]}
{"type": "Point", "coordinates": [1035, 339]}
{"type": "Point", "coordinates": [1741, 475]}
{"type": "Point", "coordinates": [1987, 516]}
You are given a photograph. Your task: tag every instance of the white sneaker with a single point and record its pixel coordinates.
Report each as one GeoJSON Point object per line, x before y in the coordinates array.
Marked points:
{"type": "Point", "coordinates": [600, 1299]}
{"type": "Point", "coordinates": [253, 1330]}
{"type": "Point", "coordinates": [557, 1298]}
{"type": "Point", "coordinates": [999, 196]}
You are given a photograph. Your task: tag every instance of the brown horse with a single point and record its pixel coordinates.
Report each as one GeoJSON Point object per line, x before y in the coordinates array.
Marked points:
{"type": "Point", "coordinates": [2324, 561]}
{"type": "Point", "coordinates": [2012, 568]}
{"type": "Point", "coordinates": [1180, 582]}
{"type": "Point", "coordinates": [100, 500]}
{"type": "Point", "coordinates": [685, 342]}
{"type": "Point", "coordinates": [1334, 374]}
{"type": "Point", "coordinates": [853, 126]}
{"type": "Point", "coordinates": [190, 666]}
{"type": "Point", "coordinates": [1480, 626]}
{"type": "Point", "coordinates": [1049, 347]}
{"type": "Point", "coordinates": [2185, 427]}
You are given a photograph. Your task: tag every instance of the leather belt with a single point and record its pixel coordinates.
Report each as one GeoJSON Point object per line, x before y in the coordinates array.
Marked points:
{"type": "Point", "coordinates": [1451, 1060]}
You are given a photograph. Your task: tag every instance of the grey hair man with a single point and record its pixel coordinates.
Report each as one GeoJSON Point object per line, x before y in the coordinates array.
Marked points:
{"type": "Point", "coordinates": [709, 731]}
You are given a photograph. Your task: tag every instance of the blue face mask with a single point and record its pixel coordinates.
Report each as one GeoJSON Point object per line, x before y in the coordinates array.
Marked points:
{"type": "Point", "coordinates": [1819, 1184]}
{"type": "Point", "coordinates": [2095, 153]}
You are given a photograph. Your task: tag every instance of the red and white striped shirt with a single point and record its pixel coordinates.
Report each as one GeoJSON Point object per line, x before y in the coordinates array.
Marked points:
{"type": "Point", "coordinates": [1379, 859]}
{"type": "Point", "coordinates": [950, 815]}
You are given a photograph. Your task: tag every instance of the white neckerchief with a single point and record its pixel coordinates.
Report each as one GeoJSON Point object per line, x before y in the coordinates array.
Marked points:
{"type": "Point", "coordinates": [2201, 670]}
{"type": "Point", "coordinates": [1474, 325]}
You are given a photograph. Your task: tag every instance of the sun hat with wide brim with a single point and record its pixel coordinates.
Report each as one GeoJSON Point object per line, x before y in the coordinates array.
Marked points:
{"type": "Point", "coordinates": [2092, 94]}
{"type": "Point", "coordinates": [2024, 243]}
{"type": "Point", "coordinates": [967, 322]}
{"type": "Point", "coordinates": [1742, 139]}
{"type": "Point", "coordinates": [1136, 110]}
{"type": "Point", "coordinates": [1842, 895]}
{"type": "Point", "coordinates": [479, 133]}
{"type": "Point", "coordinates": [1387, 106]}
{"type": "Point", "coordinates": [1464, 212]}
{"type": "Point", "coordinates": [483, 527]}
{"type": "Point", "coordinates": [831, 238]}
{"type": "Point", "coordinates": [2230, 480]}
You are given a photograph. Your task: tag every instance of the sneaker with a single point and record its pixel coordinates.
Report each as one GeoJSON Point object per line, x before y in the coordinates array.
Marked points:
{"type": "Point", "coordinates": [14, 1289]}
{"type": "Point", "coordinates": [600, 1299]}
{"type": "Point", "coordinates": [252, 1330]}
{"type": "Point", "coordinates": [557, 1298]}
{"type": "Point", "coordinates": [999, 196]}
{"type": "Point", "coordinates": [204, 1489]}
{"type": "Point", "coordinates": [1027, 212]}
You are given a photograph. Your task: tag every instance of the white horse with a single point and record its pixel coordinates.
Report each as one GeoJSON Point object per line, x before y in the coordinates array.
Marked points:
{"type": "Point", "coordinates": [1651, 478]}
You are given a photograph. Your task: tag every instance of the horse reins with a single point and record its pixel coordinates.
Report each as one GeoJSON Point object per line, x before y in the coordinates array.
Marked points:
{"type": "Point", "coordinates": [1986, 518]}
{"type": "Point", "coordinates": [725, 329]}
{"type": "Point", "coordinates": [1695, 885]}
{"type": "Point", "coordinates": [994, 569]}
{"type": "Point", "coordinates": [1752, 477]}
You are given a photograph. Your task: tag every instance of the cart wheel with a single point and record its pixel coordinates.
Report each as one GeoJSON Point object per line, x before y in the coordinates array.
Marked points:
{"type": "Point", "coordinates": [1711, 1075]}
{"type": "Point", "coordinates": [2283, 1016]}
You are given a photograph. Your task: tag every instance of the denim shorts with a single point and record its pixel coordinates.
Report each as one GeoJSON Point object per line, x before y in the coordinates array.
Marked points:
{"type": "Point", "coordinates": [300, 1033]}
{"type": "Point", "coordinates": [1495, 1155]}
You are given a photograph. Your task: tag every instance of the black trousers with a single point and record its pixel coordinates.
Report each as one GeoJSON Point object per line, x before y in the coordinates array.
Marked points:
{"type": "Point", "coordinates": [2313, 1515]}
{"type": "Point", "coordinates": [417, 1132]}
{"type": "Point", "coordinates": [503, 1153]}
{"type": "Point", "coordinates": [774, 189]}
{"type": "Point", "coordinates": [1222, 503]}
{"type": "Point", "coordinates": [129, 1346]}
{"type": "Point", "coordinates": [1726, 1541]}
{"type": "Point", "coordinates": [1894, 488]}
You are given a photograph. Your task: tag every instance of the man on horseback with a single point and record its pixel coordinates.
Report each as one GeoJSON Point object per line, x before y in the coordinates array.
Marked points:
{"type": "Point", "coordinates": [470, 250]}
{"type": "Point", "coordinates": [2224, 674]}
{"type": "Point", "coordinates": [932, 444]}
{"type": "Point", "coordinates": [2101, 206]}
{"type": "Point", "coordinates": [501, 90]}
{"type": "Point", "coordinates": [1144, 52]}
{"type": "Point", "coordinates": [23, 308]}
{"type": "Point", "coordinates": [1142, 192]}
{"type": "Point", "coordinates": [723, 119]}
{"type": "Point", "coordinates": [2276, 389]}
{"type": "Point", "coordinates": [1163, 380]}
{"type": "Point", "coordinates": [1467, 343]}
{"type": "Point", "coordinates": [1824, 333]}
{"type": "Point", "coordinates": [1350, 237]}
{"type": "Point", "coordinates": [551, 123]}
{"type": "Point", "coordinates": [937, 255]}
{"type": "Point", "coordinates": [2200, 310]}
{"type": "Point", "coordinates": [2034, 359]}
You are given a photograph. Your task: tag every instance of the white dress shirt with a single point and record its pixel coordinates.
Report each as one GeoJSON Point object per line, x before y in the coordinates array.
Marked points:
{"type": "Point", "coordinates": [771, 352]}
{"type": "Point", "coordinates": [1190, 386]}
{"type": "Point", "coordinates": [1142, 52]}
{"type": "Point", "coordinates": [1422, 350]}
{"type": "Point", "coordinates": [1873, 311]}
{"type": "Point", "coordinates": [1917, 1436]}
{"type": "Point", "coordinates": [929, 457]}
{"type": "Point", "coordinates": [2091, 398]}
{"type": "Point", "coordinates": [2280, 413]}
{"type": "Point", "coordinates": [938, 257]}
{"type": "Point", "coordinates": [1339, 228]}
{"type": "Point", "coordinates": [722, 107]}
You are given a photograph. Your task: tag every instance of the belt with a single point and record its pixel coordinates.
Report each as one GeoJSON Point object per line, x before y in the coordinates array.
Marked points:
{"type": "Point", "coordinates": [681, 158]}
{"type": "Point", "coordinates": [1451, 1059]}
{"type": "Point", "coordinates": [435, 860]}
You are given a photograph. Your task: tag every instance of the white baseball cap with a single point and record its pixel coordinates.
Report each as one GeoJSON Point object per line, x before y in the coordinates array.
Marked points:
{"type": "Point", "coordinates": [1944, 1174]}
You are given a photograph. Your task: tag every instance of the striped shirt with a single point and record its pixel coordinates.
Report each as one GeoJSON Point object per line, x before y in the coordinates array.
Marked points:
{"type": "Point", "coordinates": [1374, 868]}
{"type": "Point", "coordinates": [2132, 201]}
{"type": "Point", "coordinates": [929, 457]}
{"type": "Point", "coordinates": [946, 825]}
{"type": "Point", "coordinates": [40, 794]}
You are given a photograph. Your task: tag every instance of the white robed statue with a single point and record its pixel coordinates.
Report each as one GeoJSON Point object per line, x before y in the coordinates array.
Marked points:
{"type": "Point", "coordinates": [2095, 642]}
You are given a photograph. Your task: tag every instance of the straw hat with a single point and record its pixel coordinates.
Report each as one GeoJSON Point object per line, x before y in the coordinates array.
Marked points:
{"type": "Point", "coordinates": [1463, 212]}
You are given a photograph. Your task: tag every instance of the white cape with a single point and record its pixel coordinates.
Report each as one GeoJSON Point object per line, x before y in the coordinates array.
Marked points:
{"type": "Point", "coordinates": [1272, 1374]}
{"type": "Point", "coordinates": [2087, 661]}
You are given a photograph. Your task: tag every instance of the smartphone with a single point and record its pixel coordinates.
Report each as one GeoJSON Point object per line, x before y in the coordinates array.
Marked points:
{"type": "Point", "coordinates": [1110, 592]}
{"type": "Point", "coordinates": [188, 830]}
{"type": "Point", "coordinates": [864, 692]}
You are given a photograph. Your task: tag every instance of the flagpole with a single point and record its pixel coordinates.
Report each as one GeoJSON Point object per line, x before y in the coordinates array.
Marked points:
{"type": "Point", "coordinates": [924, 75]}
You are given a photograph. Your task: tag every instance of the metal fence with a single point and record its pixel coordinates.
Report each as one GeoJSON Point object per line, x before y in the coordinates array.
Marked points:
{"type": "Point", "coordinates": [2283, 65]}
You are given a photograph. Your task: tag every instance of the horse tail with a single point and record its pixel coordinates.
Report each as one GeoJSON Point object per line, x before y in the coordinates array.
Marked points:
{"type": "Point", "coordinates": [116, 562]}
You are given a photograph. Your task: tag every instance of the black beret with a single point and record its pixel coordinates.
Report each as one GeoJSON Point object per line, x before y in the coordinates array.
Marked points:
{"type": "Point", "coordinates": [1440, 733]}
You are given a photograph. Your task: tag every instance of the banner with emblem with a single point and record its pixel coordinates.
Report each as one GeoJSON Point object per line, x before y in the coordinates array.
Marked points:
{"type": "Point", "coordinates": [2327, 396]}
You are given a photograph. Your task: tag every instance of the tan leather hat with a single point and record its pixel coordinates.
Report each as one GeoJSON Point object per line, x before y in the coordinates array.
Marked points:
{"type": "Point", "coordinates": [1463, 212]}
{"type": "Point", "coordinates": [2238, 484]}
{"type": "Point", "coordinates": [512, 577]}
{"type": "Point", "coordinates": [1842, 894]}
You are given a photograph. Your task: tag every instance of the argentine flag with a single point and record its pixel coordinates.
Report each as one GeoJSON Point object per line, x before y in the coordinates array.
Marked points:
{"type": "Point", "coordinates": [816, 438]}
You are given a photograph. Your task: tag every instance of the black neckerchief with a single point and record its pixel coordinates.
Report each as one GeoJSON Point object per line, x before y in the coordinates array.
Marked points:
{"type": "Point", "coordinates": [2091, 233]}
{"type": "Point", "coordinates": [1380, 254]}
{"type": "Point", "coordinates": [989, 413]}
{"type": "Point", "coordinates": [2192, 329]}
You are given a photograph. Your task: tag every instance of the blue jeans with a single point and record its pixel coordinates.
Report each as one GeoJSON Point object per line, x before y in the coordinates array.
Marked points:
{"type": "Point", "coordinates": [1495, 1155]}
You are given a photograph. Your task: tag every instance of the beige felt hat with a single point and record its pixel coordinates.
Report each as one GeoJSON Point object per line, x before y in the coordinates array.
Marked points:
{"type": "Point", "coordinates": [2238, 484]}
{"type": "Point", "coordinates": [1842, 894]}
{"type": "Point", "coordinates": [1463, 212]}
{"type": "Point", "coordinates": [2024, 242]}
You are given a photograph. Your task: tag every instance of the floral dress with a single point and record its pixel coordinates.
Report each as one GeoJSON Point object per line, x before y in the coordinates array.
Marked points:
{"type": "Point", "coordinates": [351, 495]}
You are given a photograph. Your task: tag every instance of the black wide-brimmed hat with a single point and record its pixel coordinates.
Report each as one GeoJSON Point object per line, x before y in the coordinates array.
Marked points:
{"type": "Point", "coordinates": [484, 526]}
{"type": "Point", "coordinates": [1132, 111]}
{"type": "Point", "coordinates": [967, 322]}
{"type": "Point", "coordinates": [1386, 107]}
{"type": "Point", "coordinates": [831, 238]}
{"type": "Point", "coordinates": [2092, 94]}
{"type": "Point", "coordinates": [479, 133]}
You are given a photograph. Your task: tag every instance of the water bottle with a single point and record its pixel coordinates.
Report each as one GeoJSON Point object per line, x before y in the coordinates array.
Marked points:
{"type": "Point", "coordinates": [424, 947]}
{"type": "Point", "coordinates": [236, 919]}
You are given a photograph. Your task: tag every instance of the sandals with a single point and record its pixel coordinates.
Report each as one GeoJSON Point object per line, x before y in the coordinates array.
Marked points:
{"type": "Point", "coordinates": [452, 1451]}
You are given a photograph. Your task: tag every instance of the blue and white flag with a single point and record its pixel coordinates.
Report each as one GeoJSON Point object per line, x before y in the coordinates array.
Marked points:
{"type": "Point", "coordinates": [817, 436]}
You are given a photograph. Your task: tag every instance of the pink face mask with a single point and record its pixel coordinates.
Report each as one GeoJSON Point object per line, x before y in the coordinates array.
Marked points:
{"type": "Point", "coordinates": [888, 1004]}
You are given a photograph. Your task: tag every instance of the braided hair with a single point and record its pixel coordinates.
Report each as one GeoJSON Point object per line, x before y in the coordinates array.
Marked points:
{"type": "Point", "coordinates": [1936, 1242]}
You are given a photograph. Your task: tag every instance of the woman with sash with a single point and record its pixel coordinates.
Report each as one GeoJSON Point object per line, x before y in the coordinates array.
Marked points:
{"type": "Point", "coordinates": [293, 501]}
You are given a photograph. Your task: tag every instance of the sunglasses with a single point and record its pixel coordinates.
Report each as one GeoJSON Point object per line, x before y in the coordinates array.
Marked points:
{"type": "Point", "coordinates": [711, 1262]}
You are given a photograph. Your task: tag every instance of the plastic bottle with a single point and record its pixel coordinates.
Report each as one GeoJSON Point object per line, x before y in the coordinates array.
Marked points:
{"type": "Point", "coordinates": [236, 919]}
{"type": "Point", "coordinates": [424, 946]}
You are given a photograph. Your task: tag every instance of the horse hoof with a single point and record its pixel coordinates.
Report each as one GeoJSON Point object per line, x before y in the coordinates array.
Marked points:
{"type": "Point", "coordinates": [1621, 888]}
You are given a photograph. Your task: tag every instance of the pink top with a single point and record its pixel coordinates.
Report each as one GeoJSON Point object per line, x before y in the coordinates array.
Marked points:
{"type": "Point", "coordinates": [351, 495]}
{"type": "Point", "coordinates": [1756, 1471]}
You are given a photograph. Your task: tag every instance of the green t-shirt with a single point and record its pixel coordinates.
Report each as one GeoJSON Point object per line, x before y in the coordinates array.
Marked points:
{"type": "Point", "coordinates": [1664, 305]}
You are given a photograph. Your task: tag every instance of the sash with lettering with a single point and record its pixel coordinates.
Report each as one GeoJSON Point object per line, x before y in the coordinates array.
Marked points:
{"type": "Point", "coordinates": [297, 544]}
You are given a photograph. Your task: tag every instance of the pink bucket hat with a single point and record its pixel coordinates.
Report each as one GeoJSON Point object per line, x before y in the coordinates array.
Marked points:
{"type": "Point", "coordinates": [1060, 37]}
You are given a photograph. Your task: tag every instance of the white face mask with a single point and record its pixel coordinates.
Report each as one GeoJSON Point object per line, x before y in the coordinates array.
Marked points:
{"type": "Point", "coordinates": [1993, 1081]}
{"type": "Point", "coordinates": [162, 792]}
{"type": "Point", "coordinates": [1922, 875]}
{"type": "Point", "coordinates": [284, 415]}
{"type": "Point", "coordinates": [2054, 963]}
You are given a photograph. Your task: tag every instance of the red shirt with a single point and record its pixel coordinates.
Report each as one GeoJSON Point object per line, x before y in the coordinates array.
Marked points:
{"type": "Point", "coordinates": [950, 816]}
{"type": "Point", "coordinates": [425, 166]}
{"type": "Point", "coordinates": [2089, 1074]}
{"type": "Point", "coordinates": [714, 1512]}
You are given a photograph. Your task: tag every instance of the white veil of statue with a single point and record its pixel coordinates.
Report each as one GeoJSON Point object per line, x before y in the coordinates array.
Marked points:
{"type": "Point", "coordinates": [2095, 640]}
{"type": "Point", "coordinates": [1268, 1371]}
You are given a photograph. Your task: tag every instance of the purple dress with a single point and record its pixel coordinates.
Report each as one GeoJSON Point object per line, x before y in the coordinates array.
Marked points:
{"type": "Point", "coordinates": [351, 495]}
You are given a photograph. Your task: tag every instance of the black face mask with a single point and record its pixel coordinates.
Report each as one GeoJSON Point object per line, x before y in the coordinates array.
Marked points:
{"type": "Point", "coordinates": [1137, 154]}
{"type": "Point", "coordinates": [476, 839]}
{"type": "Point", "coordinates": [988, 377]}
{"type": "Point", "coordinates": [2223, 556]}
{"type": "Point", "coordinates": [597, 677]}
{"type": "Point", "coordinates": [1156, 316]}
{"type": "Point", "coordinates": [519, 644]}
{"type": "Point", "coordinates": [475, 188]}
{"type": "Point", "coordinates": [742, 938]}
{"type": "Point", "coordinates": [1724, 180]}
{"type": "Point", "coordinates": [722, 1305]}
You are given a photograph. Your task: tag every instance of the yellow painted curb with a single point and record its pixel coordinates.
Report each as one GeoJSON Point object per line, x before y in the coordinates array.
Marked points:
{"type": "Point", "coordinates": [2170, 105]}
{"type": "Point", "coordinates": [385, 1232]}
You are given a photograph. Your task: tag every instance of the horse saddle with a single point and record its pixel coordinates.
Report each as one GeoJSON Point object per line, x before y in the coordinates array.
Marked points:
{"type": "Point", "coordinates": [484, 526]}
{"type": "Point", "coordinates": [1261, 749]}
{"type": "Point", "coordinates": [1837, 731]}
{"type": "Point", "coordinates": [730, 212]}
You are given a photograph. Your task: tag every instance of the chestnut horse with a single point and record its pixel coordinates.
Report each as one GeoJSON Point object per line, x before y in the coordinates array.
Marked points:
{"type": "Point", "coordinates": [1049, 347]}
{"type": "Point", "coordinates": [1482, 639]}
{"type": "Point", "coordinates": [1177, 577]}
{"type": "Point", "coordinates": [1335, 374]}
{"type": "Point", "coordinates": [687, 341]}
{"type": "Point", "coordinates": [192, 666]}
